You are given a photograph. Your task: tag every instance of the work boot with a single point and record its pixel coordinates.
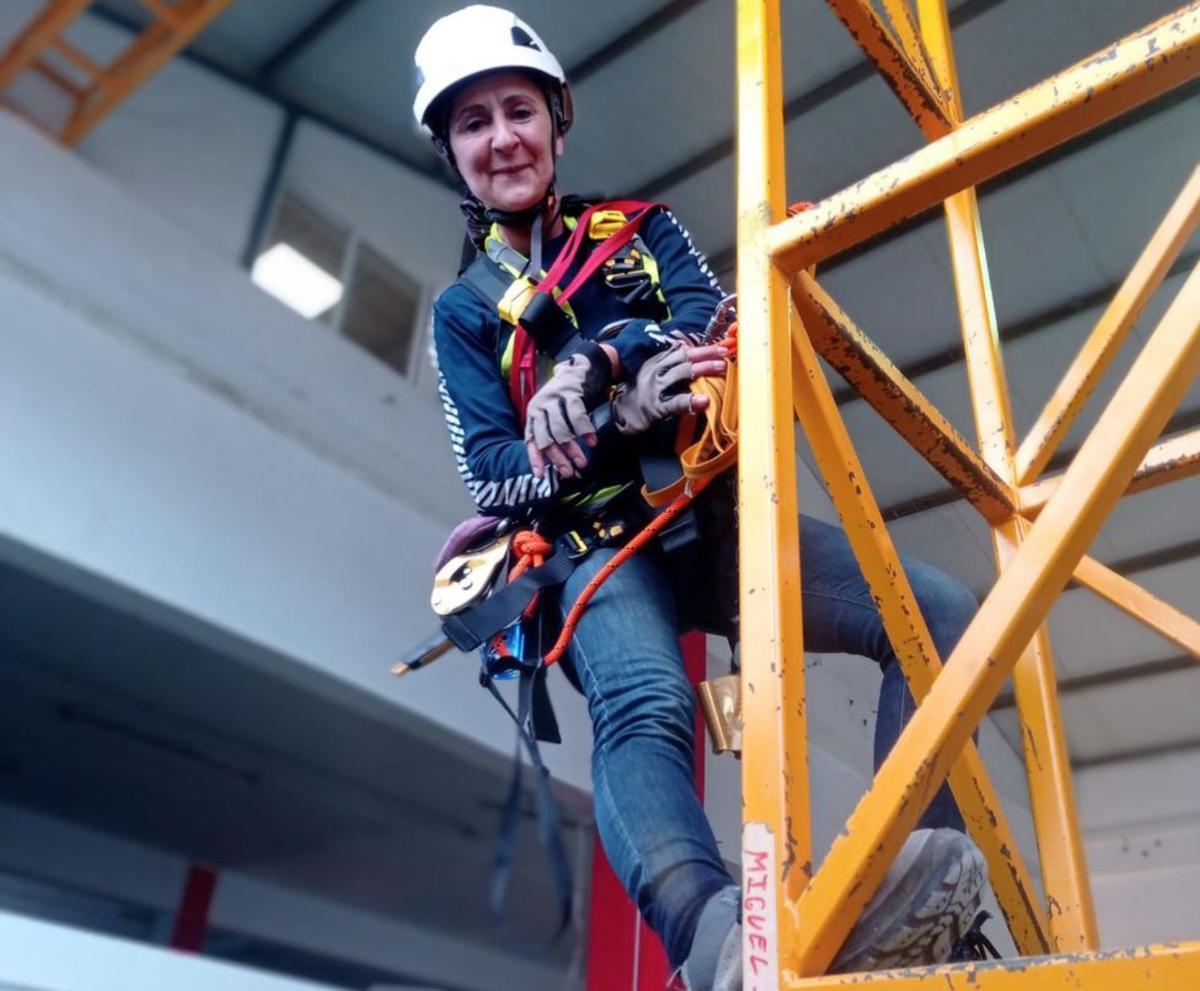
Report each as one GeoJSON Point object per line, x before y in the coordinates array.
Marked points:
{"type": "Point", "coordinates": [925, 905]}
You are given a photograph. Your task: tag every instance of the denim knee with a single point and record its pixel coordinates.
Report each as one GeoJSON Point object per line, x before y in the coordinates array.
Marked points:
{"type": "Point", "coordinates": [946, 603]}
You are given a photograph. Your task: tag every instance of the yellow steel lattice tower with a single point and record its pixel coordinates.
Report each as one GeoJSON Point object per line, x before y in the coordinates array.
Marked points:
{"type": "Point", "coordinates": [795, 918]}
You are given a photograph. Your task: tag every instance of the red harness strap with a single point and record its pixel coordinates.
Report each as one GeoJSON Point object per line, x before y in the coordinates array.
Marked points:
{"type": "Point", "coordinates": [522, 374]}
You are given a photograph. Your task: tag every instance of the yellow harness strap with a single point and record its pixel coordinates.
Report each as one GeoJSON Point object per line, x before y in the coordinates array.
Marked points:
{"type": "Point", "coordinates": [715, 449]}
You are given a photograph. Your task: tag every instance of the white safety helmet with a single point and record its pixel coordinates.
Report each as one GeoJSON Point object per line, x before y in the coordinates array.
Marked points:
{"type": "Point", "coordinates": [477, 39]}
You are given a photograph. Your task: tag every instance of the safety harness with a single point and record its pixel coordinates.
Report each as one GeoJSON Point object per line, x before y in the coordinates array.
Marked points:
{"type": "Point", "coordinates": [505, 623]}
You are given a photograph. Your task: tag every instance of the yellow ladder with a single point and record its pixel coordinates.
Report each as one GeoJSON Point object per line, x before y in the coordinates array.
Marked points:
{"type": "Point", "coordinates": [795, 918]}
{"type": "Point", "coordinates": [94, 89]}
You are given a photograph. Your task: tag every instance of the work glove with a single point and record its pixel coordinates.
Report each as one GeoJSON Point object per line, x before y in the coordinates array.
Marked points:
{"type": "Point", "coordinates": [557, 416]}
{"type": "Point", "coordinates": [661, 388]}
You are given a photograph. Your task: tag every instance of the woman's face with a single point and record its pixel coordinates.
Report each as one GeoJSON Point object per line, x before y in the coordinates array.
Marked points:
{"type": "Point", "coordinates": [501, 136]}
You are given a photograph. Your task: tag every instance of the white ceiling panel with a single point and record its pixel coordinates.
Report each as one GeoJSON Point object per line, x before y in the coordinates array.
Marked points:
{"type": "Point", "coordinates": [361, 69]}
{"type": "Point", "coordinates": [640, 116]}
{"type": "Point", "coordinates": [1148, 521]}
{"type": "Point", "coordinates": [245, 35]}
{"type": "Point", "coordinates": [1134, 715]}
{"type": "Point", "coordinates": [1090, 636]}
{"type": "Point", "coordinates": [952, 538]}
{"type": "Point", "coordinates": [900, 296]}
{"type": "Point", "coordinates": [1020, 42]}
{"type": "Point", "coordinates": [1091, 730]}
{"type": "Point", "coordinates": [1119, 189]}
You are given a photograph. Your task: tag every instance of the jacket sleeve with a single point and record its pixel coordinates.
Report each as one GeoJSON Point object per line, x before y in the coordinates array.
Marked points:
{"type": "Point", "coordinates": [488, 444]}
{"type": "Point", "coordinates": [689, 285]}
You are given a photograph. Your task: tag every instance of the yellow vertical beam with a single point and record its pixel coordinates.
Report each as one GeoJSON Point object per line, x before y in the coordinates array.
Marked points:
{"type": "Point", "coordinates": [776, 836]}
{"type": "Point", "coordinates": [1007, 619]}
{"type": "Point", "coordinates": [1047, 761]}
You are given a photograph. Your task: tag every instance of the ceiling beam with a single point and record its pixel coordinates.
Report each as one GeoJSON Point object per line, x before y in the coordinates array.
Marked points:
{"type": "Point", "coordinates": [1137, 753]}
{"type": "Point", "coordinates": [428, 169]}
{"type": "Point", "coordinates": [631, 37]}
{"type": "Point", "coordinates": [309, 33]}
{"type": "Point", "coordinates": [1114, 676]}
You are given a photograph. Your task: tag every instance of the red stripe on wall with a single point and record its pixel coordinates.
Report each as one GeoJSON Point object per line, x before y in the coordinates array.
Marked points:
{"type": "Point", "coordinates": [191, 918]}
{"type": "Point", "coordinates": [623, 953]}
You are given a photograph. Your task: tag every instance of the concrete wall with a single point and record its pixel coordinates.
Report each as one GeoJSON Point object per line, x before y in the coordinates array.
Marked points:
{"type": "Point", "coordinates": [1141, 821]}
{"type": "Point", "coordinates": [87, 861]}
{"type": "Point", "coordinates": [39, 956]}
{"type": "Point", "coordinates": [191, 417]}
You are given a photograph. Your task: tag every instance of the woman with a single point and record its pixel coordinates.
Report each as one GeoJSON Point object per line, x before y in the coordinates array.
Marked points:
{"type": "Point", "coordinates": [497, 106]}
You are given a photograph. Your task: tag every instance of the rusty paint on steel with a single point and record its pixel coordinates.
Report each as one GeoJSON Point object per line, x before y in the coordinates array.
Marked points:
{"type": "Point", "coordinates": [1135, 601]}
{"type": "Point", "coordinates": [1110, 331]}
{"type": "Point", "coordinates": [1161, 967]}
{"type": "Point", "coordinates": [906, 629]}
{"type": "Point", "coordinates": [900, 65]}
{"type": "Point", "coordinates": [890, 393]}
{"type": "Point", "coordinates": [1114, 80]}
{"type": "Point", "coordinates": [1172, 460]}
{"type": "Point", "coordinates": [1008, 617]}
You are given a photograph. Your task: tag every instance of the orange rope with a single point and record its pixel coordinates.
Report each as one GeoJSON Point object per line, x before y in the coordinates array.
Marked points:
{"type": "Point", "coordinates": [531, 549]}
{"type": "Point", "coordinates": [703, 461]}
{"type": "Point", "coordinates": [700, 470]}
{"type": "Point", "coordinates": [644, 536]}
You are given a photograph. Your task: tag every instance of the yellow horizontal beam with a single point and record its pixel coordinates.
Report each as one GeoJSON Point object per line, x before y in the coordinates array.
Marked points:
{"type": "Point", "coordinates": [1110, 332]}
{"type": "Point", "coordinates": [1135, 601]}
{"type": "Point", "coordinates": [1166, 967]}
{"type": "Point", "coordinates": [901, 65]}
{"type": "Point", "coordinates": [992, 643]}
{"type": "Point", "coordinates": [1111, 82]}
{"type": "Point", "coordinates": [1170, 461]}
{"type": "Point", "coordinates": [893, 396]}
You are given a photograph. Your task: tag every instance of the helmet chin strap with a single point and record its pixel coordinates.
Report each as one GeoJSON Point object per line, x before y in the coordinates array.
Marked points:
{"type": "Point", "coordinates": [525, 218]}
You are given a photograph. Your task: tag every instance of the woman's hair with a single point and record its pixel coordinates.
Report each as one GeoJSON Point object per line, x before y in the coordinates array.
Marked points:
{"type": "Point", "coordinates": [478, 223]}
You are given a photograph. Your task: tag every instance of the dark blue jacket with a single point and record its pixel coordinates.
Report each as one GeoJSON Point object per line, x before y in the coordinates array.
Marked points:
{"type": "Point", "coordinates": [468, 336]}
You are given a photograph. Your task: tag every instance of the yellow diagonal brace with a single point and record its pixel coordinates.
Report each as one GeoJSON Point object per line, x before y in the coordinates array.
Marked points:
{"type": "Point", "coordinates": [1047, 761]}
{"type": "Point", "coordinates": [906, 629]}
{"type": "Point", "coordinates": [1003, 626]}
{"type": "Point", "coordinates": [1135, 601]}
{"type": "Point", "coordinates": [890, 393]}
{"type": "Point", "coordinates": [1169, 461]}
{"type": "Point", "coordinates": [1114, 80]}
{"type": "Point", "coordinates": [1110, 331]}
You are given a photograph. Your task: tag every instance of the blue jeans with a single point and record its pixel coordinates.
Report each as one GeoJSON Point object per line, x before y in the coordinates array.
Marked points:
{"type": "Point", "coordinates": [626, 654]}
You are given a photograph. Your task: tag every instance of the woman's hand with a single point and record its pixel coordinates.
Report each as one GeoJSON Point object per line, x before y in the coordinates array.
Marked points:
{"type": "Point", "coordinates": [662, 386]}
{"type": "Point", "coordinates": [557, 417]}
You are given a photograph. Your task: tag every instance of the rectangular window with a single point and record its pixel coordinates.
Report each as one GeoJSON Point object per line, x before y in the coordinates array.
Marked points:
{"type": "Point", "coordinates": [329, 274]}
